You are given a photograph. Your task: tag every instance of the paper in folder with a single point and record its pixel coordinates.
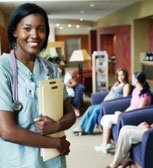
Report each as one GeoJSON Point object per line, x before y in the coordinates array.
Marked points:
{"type": "Point", "coordinates": [50, 102]}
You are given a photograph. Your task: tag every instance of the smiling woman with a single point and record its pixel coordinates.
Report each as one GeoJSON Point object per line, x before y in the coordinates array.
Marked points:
{"type": "Point", "coordinates": [30, 35]}
{"type": "Point", "coordinates": [22, 130]}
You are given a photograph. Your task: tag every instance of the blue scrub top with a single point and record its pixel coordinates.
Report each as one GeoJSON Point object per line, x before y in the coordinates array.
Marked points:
{"type": "Point", "coordinates": [15, 155]}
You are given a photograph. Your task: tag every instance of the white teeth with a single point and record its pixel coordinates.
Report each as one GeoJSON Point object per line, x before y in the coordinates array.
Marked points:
{"type": "Point", "coordinates": [32, 44]}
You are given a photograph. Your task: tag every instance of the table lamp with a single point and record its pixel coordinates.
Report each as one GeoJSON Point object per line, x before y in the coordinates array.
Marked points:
{"type": "Point", "coordinates": [80, 56]}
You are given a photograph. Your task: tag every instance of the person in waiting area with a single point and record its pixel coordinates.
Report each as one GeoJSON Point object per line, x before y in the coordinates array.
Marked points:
{"type": "Point", "coordinates": [23, 130]}
{"type": "Point", "coordinates": [70, 85]}
{"type": "Point", "coordinates": [141, 97]}
{"type": "Point", "coordinates": [128, 136]}
{"type": "Point", "coordinates": [75, 95]}
{"type": "Point", "coordinates": [121, 88]}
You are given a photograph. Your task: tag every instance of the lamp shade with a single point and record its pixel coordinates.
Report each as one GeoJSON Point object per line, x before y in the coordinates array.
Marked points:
{"type": "Point", "coordinates": [80, 55]}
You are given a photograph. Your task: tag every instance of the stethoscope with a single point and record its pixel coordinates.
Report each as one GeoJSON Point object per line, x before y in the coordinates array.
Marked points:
{"type": "Point", "coordinates": [17, 105]}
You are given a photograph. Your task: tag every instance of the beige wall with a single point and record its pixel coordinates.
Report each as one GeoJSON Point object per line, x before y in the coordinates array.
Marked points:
{"type": "Point", "coordinates": [140, 42]}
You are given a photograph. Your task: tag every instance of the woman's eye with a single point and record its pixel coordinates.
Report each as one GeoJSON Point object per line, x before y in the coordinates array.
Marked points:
{"type": "Point", "coordinates": [27, 29]}
{"type": "Point", "coordinates": [42, 29]}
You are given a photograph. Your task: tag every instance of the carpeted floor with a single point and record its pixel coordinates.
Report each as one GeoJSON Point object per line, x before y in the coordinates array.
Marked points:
{"type": "Point", "coordinates": [82, 153]}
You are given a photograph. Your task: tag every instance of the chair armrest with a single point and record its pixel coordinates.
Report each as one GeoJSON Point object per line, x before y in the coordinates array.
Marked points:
{"type": "Point", "coordinates": [98, 97]}
{"type": "Point", "coordinates": [137, 116]}
{"type": "Point", "coordinates": [120, 104]}
{"type": "Point", "coordinates": [147, 149]}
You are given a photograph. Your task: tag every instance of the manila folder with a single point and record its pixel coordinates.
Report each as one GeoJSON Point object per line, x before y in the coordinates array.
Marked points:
{"type": "Point", "coordinates": [50, 100]}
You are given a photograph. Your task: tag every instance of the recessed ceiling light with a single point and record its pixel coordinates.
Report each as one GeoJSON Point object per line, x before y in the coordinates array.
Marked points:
{"type": "Point", "coordinates": [81, 11]}
{"type": "Point", "coordinates": [81, 19]}
{"type": "Point", "coordinates": [69, 25]}
{"type": "Point", "coordinates": [92, 5]}
{"type": "Point", "coordinates": [57, 25]}
{"type": "Point", "coordinates": [77, 26]}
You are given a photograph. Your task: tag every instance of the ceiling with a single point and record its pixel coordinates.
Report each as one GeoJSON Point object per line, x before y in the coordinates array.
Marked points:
{"type": "Point", "coordinates": [83, 12]}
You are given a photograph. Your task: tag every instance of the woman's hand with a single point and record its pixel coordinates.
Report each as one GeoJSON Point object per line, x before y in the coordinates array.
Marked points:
{"type": "Point", "coordinates": [117, 113]}
{"type": "Point", "coordinates": [144, 126]}
{"type": "Point", "coordinates": [63, 146]}
{"type": "Point", "coordinates": [45, 125]}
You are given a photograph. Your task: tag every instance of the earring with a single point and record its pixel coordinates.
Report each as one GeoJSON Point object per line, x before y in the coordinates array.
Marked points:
{"type": "Point", "coordinates": [15, 45]}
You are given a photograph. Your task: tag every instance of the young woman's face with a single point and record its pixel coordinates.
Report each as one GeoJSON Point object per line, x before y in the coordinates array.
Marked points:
{"type": "Point", "coordinates": [121, 76]}
{"type": "Point", "coordinates": [134, 80]}
{"type": "Point", "coordinates": [30, 34]}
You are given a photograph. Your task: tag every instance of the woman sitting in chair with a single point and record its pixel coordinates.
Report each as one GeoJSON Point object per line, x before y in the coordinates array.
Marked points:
{"type": "Point", "coordinates": [141, 97]}
{"type": "Point", "coordinates": [75, 92]}
{"type": "Point", "coordinates": [128, 136]}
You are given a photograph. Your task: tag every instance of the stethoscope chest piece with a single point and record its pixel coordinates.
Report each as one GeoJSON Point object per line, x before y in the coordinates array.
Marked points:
{"type": "Point", "coordinates": [17, 106]}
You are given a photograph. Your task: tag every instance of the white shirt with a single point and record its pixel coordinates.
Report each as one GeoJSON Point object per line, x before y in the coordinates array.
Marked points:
{"type": "Point", "coordinates": [70, 90]}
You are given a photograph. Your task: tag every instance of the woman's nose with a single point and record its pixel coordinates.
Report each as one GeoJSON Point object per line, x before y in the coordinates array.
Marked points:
{"type": "Point", "coordinates": [34, 33]}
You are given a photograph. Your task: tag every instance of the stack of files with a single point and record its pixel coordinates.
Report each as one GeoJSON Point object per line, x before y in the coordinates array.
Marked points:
{"type": "Point", "coordinates": [50, 103]}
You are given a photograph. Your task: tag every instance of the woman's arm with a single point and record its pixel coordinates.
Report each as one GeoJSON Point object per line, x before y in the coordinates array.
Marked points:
{"type": "Point", "coordinates": [126, 90]}
{"type": "Point", "coordinates": [10, 131]}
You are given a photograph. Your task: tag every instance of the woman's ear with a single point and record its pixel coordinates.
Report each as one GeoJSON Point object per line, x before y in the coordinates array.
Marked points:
{"type": "Point", "coordinates": [15, 34]}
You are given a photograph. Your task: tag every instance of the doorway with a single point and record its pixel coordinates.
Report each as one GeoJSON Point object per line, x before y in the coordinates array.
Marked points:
{"type": "Point", "coordinates": [108, 42]}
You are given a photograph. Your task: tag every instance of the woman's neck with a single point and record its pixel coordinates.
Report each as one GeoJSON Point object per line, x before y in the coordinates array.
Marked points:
{"type": "Point", "coordinates": [139, 87]}
{"type": "Point", "coordinates": [26, 59]}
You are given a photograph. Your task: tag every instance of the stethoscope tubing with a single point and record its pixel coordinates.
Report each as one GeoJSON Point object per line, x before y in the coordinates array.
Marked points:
{"type": "Point", "coordinates": [15, 76]}
{"type": "Point", "coordinates": [14, 83]}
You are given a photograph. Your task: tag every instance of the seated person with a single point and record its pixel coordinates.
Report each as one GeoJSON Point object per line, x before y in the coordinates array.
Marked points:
{"type": "Point", "coordinates": [121, 88]}
{"type": "Point", "coordinates": [71, 84]}
{"type": "Point", "coordinates": [128, 136]}
{"type": "Point", "coordinates": [141, 97]}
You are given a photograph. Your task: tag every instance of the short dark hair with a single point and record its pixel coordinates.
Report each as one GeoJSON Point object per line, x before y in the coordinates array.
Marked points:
{"type": "Point", "coordinates": [19, 13]}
